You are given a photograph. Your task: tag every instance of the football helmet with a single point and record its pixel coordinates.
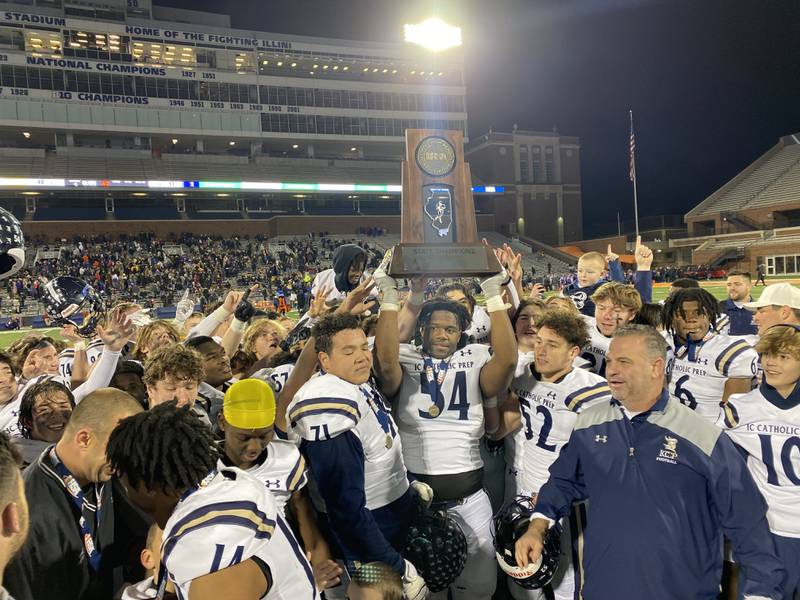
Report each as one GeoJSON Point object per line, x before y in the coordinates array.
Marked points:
{"type": "Point", "coordinates": [510, 523]}
{"type": "Point", "coordinates": [66, 297]}
{"type": "Point", "coordinates": [12, 244]}
{"type": "Point", "coordinates": [437, 547]}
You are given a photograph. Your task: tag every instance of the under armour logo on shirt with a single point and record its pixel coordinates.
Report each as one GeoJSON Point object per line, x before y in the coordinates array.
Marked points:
{"type": "Point", "coordinates": [601, 438]}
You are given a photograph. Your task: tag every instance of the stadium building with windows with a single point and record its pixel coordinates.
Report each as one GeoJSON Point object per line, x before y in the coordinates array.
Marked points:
{"type": "Point", "coordinates": [123, 117]}
{"type": "Point", "coordinates": [754, 218]}
{"type": "Point", "coordinates": [127, 110]}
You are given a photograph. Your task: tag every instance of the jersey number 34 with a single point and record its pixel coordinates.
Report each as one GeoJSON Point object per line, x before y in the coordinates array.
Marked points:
{"type": "Point", "coordinates": [458, 398]}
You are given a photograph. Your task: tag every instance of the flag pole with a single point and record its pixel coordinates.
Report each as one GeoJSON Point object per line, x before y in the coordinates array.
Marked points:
{"type": "Point", "coordinates": [633, 177]}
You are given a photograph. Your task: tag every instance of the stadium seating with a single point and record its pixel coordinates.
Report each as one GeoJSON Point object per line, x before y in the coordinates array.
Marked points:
{"type": "Point", "coordinates": [768, 181]}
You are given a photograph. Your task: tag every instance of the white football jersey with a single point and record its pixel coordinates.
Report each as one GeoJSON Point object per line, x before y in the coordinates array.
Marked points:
{"type": "Point", "coordinates": [549, 411]}
{"type": "Point", "coordinates": [282, 470]}
{"type": "Point", "coordinates": [279, 375]}
{"type": "Point", "coordinates": [595, 352]}
{"type": "Point", "coordinates": [441, 436]}
{"type": "Point", "coordinates": [9, 416]}
{"type": "Point", "coordinates": [700, 383]}
{"type": "Point", "coordinates": [327, 406]}
{"type": "Point", "coordinates": [767, 427]}
{"type": "Point", "coordinates": [232, 519]}
{"type": "Point", "coordinates": [480, 330]}
{"type": "Point", "coordinates": [514, 442]}
{"type": "Point", "coordinates": [93, 352]}
{"type": "Point", "coordinates": [723, 326]}
{"type": "Point", "coordinates": [327, 279]}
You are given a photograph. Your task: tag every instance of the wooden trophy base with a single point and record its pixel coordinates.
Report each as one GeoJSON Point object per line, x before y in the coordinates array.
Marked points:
{"type": "Point", "coordinates": [443, 260]}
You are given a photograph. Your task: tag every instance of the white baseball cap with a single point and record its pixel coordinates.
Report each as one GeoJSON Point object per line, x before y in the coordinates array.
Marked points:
{"type": "Point", "coordinates": [777, 294]}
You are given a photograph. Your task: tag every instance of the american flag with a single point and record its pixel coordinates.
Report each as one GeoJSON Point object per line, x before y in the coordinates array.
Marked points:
{"type": "Point", "coordinates": [632, 170]}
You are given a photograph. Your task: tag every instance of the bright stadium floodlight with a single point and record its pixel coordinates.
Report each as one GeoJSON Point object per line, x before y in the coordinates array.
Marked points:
{"type": "Point", "coordinates": [434, 35]}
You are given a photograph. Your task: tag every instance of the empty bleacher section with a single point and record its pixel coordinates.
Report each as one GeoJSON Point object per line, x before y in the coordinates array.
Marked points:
{"type": "Point", "coordinates": [753, 218]}
{"type": "Point", "coordinates": [144, 209]}
{"type": "Point", "coordinates": [772, 181]}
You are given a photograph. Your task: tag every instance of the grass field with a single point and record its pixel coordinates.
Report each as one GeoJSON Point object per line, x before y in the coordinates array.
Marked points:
{"type": "Point", "coordinates": [659, 293]}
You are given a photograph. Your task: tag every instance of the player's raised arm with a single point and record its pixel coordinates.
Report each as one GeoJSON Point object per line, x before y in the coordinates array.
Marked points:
{"type": "Point", "coordinates": [409, 313]}
{"type": "Point", "coordinates": [387, 341]}
{"type": "Point", "coordinates": [497, 373]}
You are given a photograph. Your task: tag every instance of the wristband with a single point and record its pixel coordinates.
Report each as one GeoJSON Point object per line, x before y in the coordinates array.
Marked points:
{"type": "Point", "coordinates": [389, 307]}
{"type": "Point", "coordinates": [221, 314]}
{"type": "Point", "coordinates": [416, 298]}
{"type": "Point", "coordinates": [490, 403]}
{"type": "Point", "coordinates": [390, 297]}
{"type": "Point", "coordinates": [238, 326]}
{"type": "Point", "coordinates": [495, 303]}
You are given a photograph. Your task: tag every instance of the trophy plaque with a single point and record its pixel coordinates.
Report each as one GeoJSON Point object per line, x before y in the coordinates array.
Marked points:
{"type": "Point", "coordinates": [438, 232]}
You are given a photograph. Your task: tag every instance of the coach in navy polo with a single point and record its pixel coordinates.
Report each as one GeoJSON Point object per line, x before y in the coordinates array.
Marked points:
{"type": "Point", "coordinates": [663, 485]}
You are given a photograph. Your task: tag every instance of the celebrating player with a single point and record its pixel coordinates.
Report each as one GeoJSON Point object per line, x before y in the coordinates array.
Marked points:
{"type": "Point", "coordinates": [708, 366]}
{"type": "Point", "coordinates": [765, 423]}
{"type": "Point", "coordinates": [246, 420]}
{"type": "Point", "coordinates": [443, 392]}
{"type": "Point", "coordinates": [615, 305]}
{"type": "Point", "coordinates": [223, 534]}
{"type": "Point", "coordinates": [351, 442]}
{"type": "Point", "coordinates": [547, 397]}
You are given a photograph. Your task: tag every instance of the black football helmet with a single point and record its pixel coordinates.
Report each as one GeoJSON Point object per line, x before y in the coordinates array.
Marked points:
{"type": "Point", "coordinates": [12, 244]}
{"type": "Point", "coordinates": [65, 297]}
{"type": "Point", "coordinates": [437, 547]}
{"type": "Point", "coordinates": [510, 524]}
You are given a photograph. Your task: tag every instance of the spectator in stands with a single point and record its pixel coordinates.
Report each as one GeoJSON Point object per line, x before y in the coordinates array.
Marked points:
{"type": "Point", "coordinates": [779, 304]}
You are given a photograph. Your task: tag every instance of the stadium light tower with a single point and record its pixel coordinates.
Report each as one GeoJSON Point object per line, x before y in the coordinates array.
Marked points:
{"type": "Point", "coordinates": [433, 34]}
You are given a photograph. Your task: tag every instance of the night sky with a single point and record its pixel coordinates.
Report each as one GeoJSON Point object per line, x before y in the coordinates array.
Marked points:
{"type": "Point", "coordinates": [712, 83]}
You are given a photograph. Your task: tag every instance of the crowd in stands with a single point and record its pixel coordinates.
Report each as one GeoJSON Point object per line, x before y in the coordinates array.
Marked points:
{"type": "Point", "coordinates": [386, 444]}
{"type": "Point", "coordinates": [156, 272]}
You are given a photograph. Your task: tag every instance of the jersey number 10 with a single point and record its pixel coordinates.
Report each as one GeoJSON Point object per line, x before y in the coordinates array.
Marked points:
{"type": "Point", "coordinates": [793, 443]}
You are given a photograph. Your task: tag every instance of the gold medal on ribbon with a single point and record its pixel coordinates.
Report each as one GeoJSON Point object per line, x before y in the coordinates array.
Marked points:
{"type": "Point", "coordinates": [434, 411]}
{"type": "Point", "coordinates": [389, 441]}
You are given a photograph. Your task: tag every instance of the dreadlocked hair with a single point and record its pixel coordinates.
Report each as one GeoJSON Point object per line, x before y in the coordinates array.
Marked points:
{"type": "Point", "coordinates": [673, 306]}
{"type": "Point", "coordinates": [166, 448]}
{"type": "Point", "coordinates": [431, 306]}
